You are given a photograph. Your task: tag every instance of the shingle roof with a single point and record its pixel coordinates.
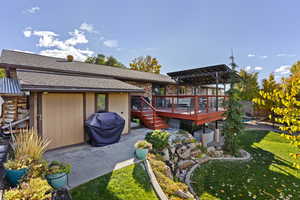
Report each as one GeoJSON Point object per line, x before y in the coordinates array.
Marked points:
{"type": "Point", "coordinates": [34, 80]}
{"type": "Point", "coordinates": [27, 60]}
{"type": "Point", "coordinates": [10, 86]}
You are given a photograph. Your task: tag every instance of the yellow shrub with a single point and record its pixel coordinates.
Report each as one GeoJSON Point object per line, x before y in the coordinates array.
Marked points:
{"type": "Point", "coordinates": [35, 189]}
{"type": "Point", "coordinates": [29, 143]}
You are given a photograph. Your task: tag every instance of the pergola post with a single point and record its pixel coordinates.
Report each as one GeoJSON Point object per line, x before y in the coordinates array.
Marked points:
{"type": "Point", "coordinates": [217, 91]}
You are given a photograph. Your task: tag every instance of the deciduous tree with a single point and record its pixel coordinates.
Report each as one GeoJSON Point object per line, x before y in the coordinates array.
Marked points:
{"type": "Point", "coordinates": [146, 64]}
{"type": "Point", "coordinates": [101, 59]}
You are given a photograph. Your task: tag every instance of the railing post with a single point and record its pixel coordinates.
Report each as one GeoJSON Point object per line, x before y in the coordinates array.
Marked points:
{"type": "Point", "coordinates": [207, 103]}
{"type": "Point", "coordinates": [196, 99]}
{"type": "Point", "coordinates": [173, 108]}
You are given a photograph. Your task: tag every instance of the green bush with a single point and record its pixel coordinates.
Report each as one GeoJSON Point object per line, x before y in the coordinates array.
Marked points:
{"type": "Point", "coordinates": [56, 167]}
{"type": "Point", "coordinates": [142, 144]}
{"type": "Point", "coordinates": [158, 139]}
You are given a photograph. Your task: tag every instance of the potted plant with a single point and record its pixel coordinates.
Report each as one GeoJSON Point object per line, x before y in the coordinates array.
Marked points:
{"type": "Point", "coordinates": [57, 174]}
{"type": "Point", "coordinates": [142, 148]}
{"type": "Point", "coordinates": [16, 169]}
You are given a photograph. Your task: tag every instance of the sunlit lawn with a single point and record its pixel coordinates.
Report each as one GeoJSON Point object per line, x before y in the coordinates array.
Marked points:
{"type": "Point", "coordinates": [269, 175]}
{"type": "Point", "coordinates": [129, 183]}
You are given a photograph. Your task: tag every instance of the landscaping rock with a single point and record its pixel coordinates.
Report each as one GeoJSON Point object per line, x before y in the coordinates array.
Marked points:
{"type": "Point", "coordinates": [210, 149]}
{"type": "Point", "coordinates": [184, 195]}
{"type": "Point", "coordinates": [183, 164]}
{"type": "Point", "coordinates": [184, 152]}
{"type": "Point", "coordinates": [166, 155]}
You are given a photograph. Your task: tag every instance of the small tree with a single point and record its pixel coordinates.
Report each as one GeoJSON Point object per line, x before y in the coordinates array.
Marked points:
{"type": "Point", "coordinates": [248, 86]}
{"type": "Point", "coordinates": [286, 107]}
{"type": "Point", "coordinates": [233, 125]}
{"type": "Point", "coordinates": [146, 64]}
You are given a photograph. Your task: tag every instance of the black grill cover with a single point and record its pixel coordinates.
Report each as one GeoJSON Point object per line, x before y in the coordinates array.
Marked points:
{"type": "Point", "coordinates": [104, 128]}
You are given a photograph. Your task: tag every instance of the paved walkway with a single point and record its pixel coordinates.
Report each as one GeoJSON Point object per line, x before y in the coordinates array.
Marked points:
{"type": "Point", "coordinates": [91, 162]}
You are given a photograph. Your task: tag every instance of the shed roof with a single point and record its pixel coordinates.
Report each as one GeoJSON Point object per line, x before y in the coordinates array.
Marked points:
{"type": "Point", "coordinates": [38, 62]}
{"type": "Point", "coordinates": [10, 86]}
{"type": "Point", "coordinates": [41, 81]}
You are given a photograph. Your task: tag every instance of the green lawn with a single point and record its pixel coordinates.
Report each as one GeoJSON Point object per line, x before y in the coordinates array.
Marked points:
{"type": "Point", "coordinates": [129, 183]}
{"type": "Point", "coordinates": [269, 175]}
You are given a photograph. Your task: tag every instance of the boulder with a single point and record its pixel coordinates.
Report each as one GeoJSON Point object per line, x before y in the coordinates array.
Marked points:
{"type": "Point", "coordinates": [210, 149]}
{"type": "Point", "coordinates": [183, 164]}
{"type": "Point", "coordinates": [183, 194]}
{"type": "Point", "coordinates": [184, 152]}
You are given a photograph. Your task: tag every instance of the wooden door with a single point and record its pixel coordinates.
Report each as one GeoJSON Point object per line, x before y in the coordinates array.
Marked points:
{"type": "Point", "coordinates": [62, 118]}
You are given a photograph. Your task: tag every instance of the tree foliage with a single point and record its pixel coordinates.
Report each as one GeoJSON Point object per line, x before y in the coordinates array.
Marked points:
{"type": "Point", "coordinates": [101, 59]}
{"type": "Point", "coordinates": [233, 125]}
{"type": "Point", "coordinates": [295, 68]}
{"type": "Point", "coordinates": [248, 86]}
{"type": "Point", "coordinates": [286, 110]}
{"type": "Point", "coordinates": [268, 85]}
{"type": "Point", "coordinates": [146, 64]}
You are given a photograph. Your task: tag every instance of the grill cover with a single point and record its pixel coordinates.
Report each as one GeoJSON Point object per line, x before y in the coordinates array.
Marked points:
{"type": "Point", "coordinates": [104, 128]}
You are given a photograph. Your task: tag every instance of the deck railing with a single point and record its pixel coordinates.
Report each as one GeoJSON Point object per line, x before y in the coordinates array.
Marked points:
{"type": "Point", "coordinates": [142, 105]}
{"type": "Point", "coordinates": [189, 104]}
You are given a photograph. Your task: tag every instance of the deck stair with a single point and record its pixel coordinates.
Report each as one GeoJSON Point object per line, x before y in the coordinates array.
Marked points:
{"type": "Point", "coordinates": [148, 116]}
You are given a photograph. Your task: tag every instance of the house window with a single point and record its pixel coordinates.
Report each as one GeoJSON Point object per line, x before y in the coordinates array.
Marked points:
{"type": "Point", "coordinates": [101, 102]}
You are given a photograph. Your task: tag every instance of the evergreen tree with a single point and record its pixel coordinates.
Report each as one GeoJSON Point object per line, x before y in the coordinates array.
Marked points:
{"type": "Point", "coordinates": [233, 125]}
{"type": "Point", "coordinates": [101, 59]}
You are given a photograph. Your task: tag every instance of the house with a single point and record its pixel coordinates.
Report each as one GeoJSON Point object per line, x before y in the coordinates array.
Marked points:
{"type": "Point", "coordinates": [61, 94]}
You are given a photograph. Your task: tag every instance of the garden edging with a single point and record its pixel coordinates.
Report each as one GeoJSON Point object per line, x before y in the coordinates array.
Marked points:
{"type": "Point", "coordinates": [245, 157]}
{"type": "Point", "coordinates": [159, 192]}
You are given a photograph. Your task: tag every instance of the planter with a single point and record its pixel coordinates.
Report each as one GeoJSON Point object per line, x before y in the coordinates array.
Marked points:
{"type": "Point", "coordinates": [14, 176]}
{"type": "Point", "coordinates": [58, 180]}
{"type": "Point", "coordinates": [141, 154]}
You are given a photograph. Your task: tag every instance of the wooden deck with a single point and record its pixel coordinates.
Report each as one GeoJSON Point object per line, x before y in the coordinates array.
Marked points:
{"type": "Point", "coordinates": [199, 108]}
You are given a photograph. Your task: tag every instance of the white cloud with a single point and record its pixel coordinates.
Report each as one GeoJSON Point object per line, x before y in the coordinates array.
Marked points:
{"type": "Point", "coordinates": [33, 10]}
{"type": "Point", "coordinates": [285, 55]}
{"type": "Point", "coordinates": [258, 68]}
{"type": "Point", "coordinates": [61, 48]}
{"type": "Point", "coordinates": [111, 43]}
{"type": "Point", "coordinates": [263, 57]}
{"type": "Point", "coordinates": [248, 68]}
{"type": "Point", "coordinates": [27, 32]}
{"type": "Point", "coordinates": [251, 55]}
{"type": "Point", "coordinates": [77, 38]}
{"type": "Point", "coordinates": [87, 27]}
{"type": "Point", "coordinates": [284, 69]}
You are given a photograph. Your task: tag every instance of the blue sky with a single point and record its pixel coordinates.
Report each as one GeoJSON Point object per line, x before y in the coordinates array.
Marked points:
{"type": "Point", "coordinates": [264, 34]}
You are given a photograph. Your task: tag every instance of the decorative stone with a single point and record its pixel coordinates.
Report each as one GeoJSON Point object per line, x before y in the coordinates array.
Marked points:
{"type": "Point", "coordinates": [196, 153]}
{"type": "Point", "coordinates": [184, 195]}
{"type": "Point", "coordinates": [211, 149]}
{"type": "Point", "coordinates": [183, 164]}
{"type": "Point", "coordinates": [166, 155]}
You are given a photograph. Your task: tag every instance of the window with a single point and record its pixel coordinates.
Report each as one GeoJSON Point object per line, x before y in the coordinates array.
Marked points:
{"type": "Point", "coordinates": [101, 102]}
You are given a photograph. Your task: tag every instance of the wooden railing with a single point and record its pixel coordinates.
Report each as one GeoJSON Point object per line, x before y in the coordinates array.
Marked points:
{"type": "Point", "coordinates": [189, 104]}
{"type": "Point", "coordinates": [141, 104]}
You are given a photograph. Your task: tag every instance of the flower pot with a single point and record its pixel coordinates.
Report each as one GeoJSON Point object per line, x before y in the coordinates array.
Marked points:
{"type": "Point", "coordinates": [14, 176]}
{"type": "Point", "coordinates": [58, 180]}
{"type": "Point", "coordinates": [141, 153]}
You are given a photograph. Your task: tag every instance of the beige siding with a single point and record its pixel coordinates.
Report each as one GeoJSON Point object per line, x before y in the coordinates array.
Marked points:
{"type": "Point", "coordinates": [119, 103]}
{"type": "Point", "coordinates": [90, 104]}
{"type": "Point", "coordinates": [62, 116]}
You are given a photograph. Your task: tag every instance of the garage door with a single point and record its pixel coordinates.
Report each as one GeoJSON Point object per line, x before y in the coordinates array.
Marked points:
{"type": "Point", "coordinates": [62, 118]}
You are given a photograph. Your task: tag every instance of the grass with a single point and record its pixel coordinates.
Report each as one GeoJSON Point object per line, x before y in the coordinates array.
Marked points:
{"type": "Point", "coordinates": [128, 183]}
{"type": "Point", "coordinates": [269, 175]}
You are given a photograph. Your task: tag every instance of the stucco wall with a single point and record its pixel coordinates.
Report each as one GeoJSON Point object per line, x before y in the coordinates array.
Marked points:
{"type": "Point", "coordinates": [119, 103]}
{"type": "Point", "coordinates": [90, 104]}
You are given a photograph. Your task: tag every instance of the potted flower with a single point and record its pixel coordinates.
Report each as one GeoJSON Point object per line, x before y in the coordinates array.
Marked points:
{"type": "Point", "coordinates": [142, 148]}
{"type": "Point", "coordinates": [57, 174]}
{"type": "Point", "coordinates": [16, 169]}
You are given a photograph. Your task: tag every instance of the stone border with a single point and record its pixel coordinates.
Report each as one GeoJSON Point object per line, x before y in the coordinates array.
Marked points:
{"type": "Point", "coordinates": [159, 192]}
{"type": "Point", "coordinates": [188, 181]}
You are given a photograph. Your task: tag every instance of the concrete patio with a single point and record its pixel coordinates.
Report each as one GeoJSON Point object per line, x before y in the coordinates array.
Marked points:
{"type": "Point", "coordinates": [91, 162]}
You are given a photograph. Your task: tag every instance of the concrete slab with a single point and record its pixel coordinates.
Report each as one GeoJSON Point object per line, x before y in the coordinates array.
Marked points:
{"type": "Point", "coordinates": [91, 162]}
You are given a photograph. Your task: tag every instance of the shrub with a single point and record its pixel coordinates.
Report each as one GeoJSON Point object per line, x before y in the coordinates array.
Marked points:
{"type": "Point", "coordinates": [143, 144]}
{"type": "Point", "coordinates": [56, 167]}
{"type": "Point", "coordinates": [35, 189]}
{"type": "Point", "coordinates": [158, 139]}
{"type": "Point", "coordinates": [37, 169]}
{"type": "Point", "coordinates": [29, 143]}
{"type": "Point", "coordinates": [168, 185]}
{"type": "Point", "coordinates": [17, 164]}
